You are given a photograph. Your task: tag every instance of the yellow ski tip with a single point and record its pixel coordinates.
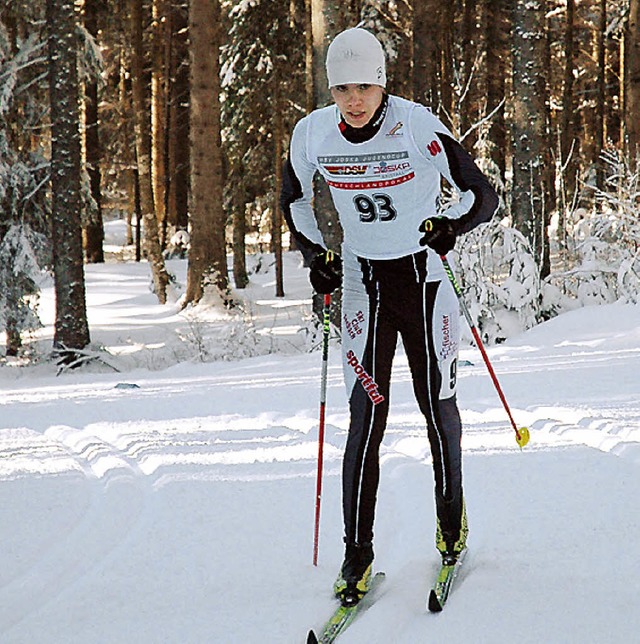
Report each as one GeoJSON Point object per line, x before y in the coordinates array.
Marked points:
{"type": "Point", "coordinates": [522, 436]}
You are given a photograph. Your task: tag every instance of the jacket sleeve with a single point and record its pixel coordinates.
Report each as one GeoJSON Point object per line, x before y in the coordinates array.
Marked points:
{"type": "Point", "coordinates": [478, 200]}
{"type": "Point", "coordinates": [296, 197]}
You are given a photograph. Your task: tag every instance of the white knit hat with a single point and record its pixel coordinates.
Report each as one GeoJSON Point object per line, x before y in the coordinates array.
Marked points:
{"type": "Point", "coordinates": [356, 56]}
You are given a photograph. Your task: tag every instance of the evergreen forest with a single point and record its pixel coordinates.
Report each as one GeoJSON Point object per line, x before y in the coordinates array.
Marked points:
{"type": "Point", "coordinates": [176, 116]}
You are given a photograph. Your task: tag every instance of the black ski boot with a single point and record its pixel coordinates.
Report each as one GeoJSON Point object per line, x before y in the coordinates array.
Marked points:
{"type": "Point", "coordinates": [354, 579]}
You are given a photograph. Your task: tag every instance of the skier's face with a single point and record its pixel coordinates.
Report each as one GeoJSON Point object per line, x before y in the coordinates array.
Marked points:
{"type": "Point", "coordinates": [357, 102]}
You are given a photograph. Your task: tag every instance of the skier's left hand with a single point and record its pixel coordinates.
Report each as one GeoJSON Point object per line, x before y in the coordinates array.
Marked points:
{"type": "Point", "coordinates": [439, 233]}
{"type": "Point", "coordinates": [326, 272]}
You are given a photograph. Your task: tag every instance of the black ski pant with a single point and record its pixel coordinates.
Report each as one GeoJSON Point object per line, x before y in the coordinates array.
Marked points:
{"type": "Point", "coordinates": [384, 300]}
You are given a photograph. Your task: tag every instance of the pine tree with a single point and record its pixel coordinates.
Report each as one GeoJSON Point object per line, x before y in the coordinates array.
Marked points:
{"type": "Point", "coordinates": [207, 256]}
{"type": "Point", "coordinates": [24, 205]}
{"type": "Point", "coordinates": [569, 150]}
{"type": "Point", "coordinates": [529, 128]}
{"type": "Point", "coordinates": [264, 94]}
{"type": "Point", "coordinates": [71, 327]}
{"type": "Point", "coordinates": [93, 228]}
{"type": "Point", "coordinates": [426, 75]}
{"type": "Point", "coordinates": [178, 162]}
{"type": "Point", "coordinates": [143, 153]}
{"type": "Point", "coordinates": [632, 108]}
{"type": "Point", "coordinates": [498, 26]}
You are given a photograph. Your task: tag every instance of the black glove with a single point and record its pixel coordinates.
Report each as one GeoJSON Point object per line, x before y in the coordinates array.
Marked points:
{"type": "Point", "coordinates": [439, 233]}
{"type": "Point", "coordinates": [326, 272]}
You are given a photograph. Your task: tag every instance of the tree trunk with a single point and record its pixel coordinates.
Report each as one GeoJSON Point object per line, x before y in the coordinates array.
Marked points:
{"type": "Point", "coordinates": [326, 24]}
{"type": "Point", "coordinates": [128, 151]}
{"type": "Point", "coordinates": [445, 60]}
{"type": "Point", "coordinates": [613, 85]}
{"type": "Point", "coordinates": [568, 142]}
{"type": "Point", "coordinates": [470, 78]}
{"type": "Point", "coordinates": [138, 212]}
{"type": "Point", "coordinates": [529, 123]}
{"type": "Point", "coordinates": [207, 256]}
{"type": "Point", "coordinates": [601, 96]}
{"type": "Point", "coordinates": [276, 227]}
{"type": "Point", "coordinates": [11, 322]}
{"type": "Point", "coordinates": [498, 55]}
{"type": "Point", "coordinates": [425, 53]}
{"type": "Point", "coordinates": [178, 152]}
{"type": "Point", "coordinates": [548, 165]}
{"type": "Point", "coordinates": [143, 156]}
{"type": "Point", "coordinates": [94, 229]}
{"type": "Point", "coordinates": [160, 38]}
{"type": "Point", "coordinates": [71, 327]}
{"type": "Point", "coordinates": [632, 107]}
{"type": "Point", "coordinates": [309, 85]}
{"type": "Point", "coordinates": [240, 277]}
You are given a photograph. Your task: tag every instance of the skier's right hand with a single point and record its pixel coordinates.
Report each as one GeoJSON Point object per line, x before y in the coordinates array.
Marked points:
{"type": "Point", "coordinates": [438, 233]}
{"type": "Point", "coordinates": [326, 272]}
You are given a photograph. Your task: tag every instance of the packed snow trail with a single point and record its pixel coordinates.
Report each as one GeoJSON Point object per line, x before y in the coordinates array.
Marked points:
{"type": "Point", "coordinates": [223, 516]}
{"type": "Point", "coordinates": [182, 511]}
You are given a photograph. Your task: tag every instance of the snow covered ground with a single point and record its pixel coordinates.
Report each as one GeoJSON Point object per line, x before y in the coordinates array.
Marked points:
{"type": "Point", "coordinates": [181, 510]}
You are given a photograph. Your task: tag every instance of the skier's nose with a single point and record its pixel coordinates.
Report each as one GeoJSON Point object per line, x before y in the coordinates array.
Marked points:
{"type": "Point", "coordinates": [355, 97]}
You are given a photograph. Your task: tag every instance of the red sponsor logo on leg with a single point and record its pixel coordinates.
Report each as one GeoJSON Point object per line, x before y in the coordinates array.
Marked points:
{"type": "Point", "coordinates": [369, 384]}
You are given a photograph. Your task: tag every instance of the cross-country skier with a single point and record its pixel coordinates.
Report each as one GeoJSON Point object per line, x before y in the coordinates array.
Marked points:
{"type": "Point", "coordinates": [383, 158]}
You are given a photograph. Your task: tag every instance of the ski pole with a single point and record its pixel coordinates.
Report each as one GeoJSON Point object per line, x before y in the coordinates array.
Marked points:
{"type": "Point", "coordinates": [326, 312]}
{"type": "Point", "coordinates": [522, 434]}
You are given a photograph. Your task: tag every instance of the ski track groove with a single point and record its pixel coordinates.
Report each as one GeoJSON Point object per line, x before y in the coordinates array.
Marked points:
{"type": "Point", "coordinates": [118, 500]}
{"type": "Point", "coordinates": [112, 456]}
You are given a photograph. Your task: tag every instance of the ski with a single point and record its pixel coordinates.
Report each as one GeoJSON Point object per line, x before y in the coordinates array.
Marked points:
{"type": "Point", "coordinates": [343, 616]}
{"type": "Point", "coordinates": [444, 581]}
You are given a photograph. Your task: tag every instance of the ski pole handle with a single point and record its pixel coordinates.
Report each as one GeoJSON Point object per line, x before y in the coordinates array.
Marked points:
{"type": "Point", "coordinates": [522, 433]}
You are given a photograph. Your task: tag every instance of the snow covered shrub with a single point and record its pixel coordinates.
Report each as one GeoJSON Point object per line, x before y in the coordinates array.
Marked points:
{"type": "Point", "coordinates": [212, 335]}
{"type": "Point", "coordinates": [605, 244]}
{"type": "Point", "coordinates": [24, 249]}
{"type": "Point", "coordinates": [500, 280]}
{"type": "Point", "coordinates": [23, 179]}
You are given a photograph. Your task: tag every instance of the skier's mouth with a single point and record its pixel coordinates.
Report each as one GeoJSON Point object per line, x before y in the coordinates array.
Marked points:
{"type": "Point", "coordinates": [357, 117]}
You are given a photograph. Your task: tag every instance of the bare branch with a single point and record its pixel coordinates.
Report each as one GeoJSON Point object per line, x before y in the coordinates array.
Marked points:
{"type": "Point", "coordinates": [482, 121]}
